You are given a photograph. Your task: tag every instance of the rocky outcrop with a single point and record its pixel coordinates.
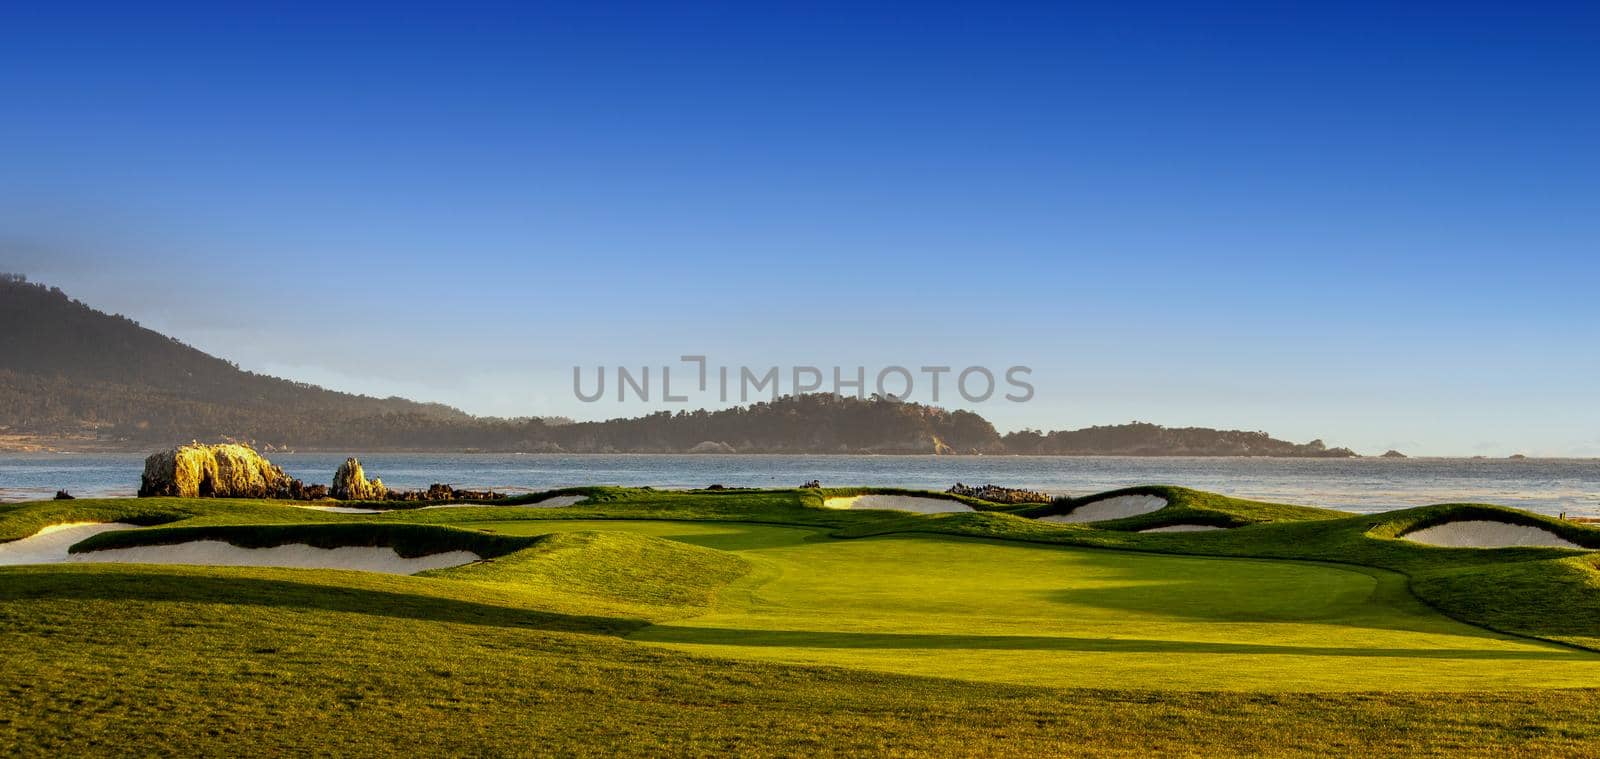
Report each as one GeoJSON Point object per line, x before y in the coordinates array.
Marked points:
{"type": "Point", "coordinates": [227, 470]}
{"type": "Point", "coordinates": [300, 491]}
{"type": "Point", "coordinates": [441, 492]}
{"type": "Point", "coordinates": [1392, 454]}
{"type": "Point", "coordinates": [350, 484]}
{"type": "Point", "coordinates": [998, 494]}
{"type": "Point", "coordinates": [232, 470]}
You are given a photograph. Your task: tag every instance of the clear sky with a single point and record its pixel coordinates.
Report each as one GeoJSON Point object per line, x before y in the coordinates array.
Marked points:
{"type": "Point", "coordinates": [1373, 224]}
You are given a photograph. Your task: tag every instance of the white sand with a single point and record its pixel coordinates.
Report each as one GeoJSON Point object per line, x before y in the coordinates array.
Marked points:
{"type": "Point", "coordinates": [1185, 528]}
{"type": "Point", "coordinates": [556, 502]}
{"type": "Point", "coordinates": [217, 553]}
{"type": "Point", "coordinates": [1484, 533]}
{"type": "Point", "coordinates": [1115, 507]}
{"type": "Point", "coordinates": [49, 545]}
{"type": "Point", "coordinates": [553, 502]}
{"type": "Point", "coordinates": [918, 504]}
{"type": "Point", "coordinates": [338, 509]}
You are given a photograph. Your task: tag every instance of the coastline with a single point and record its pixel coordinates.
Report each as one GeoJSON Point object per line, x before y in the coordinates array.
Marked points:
{"type": "Point", "coordinates": [17, 444]}
{"type": "Point", "coordinates": [1549, 486]}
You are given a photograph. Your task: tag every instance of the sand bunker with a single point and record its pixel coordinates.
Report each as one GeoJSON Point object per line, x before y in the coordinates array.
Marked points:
{"type": "Point", "coordinates": [1185, 528]}
{"type": "Point", "coordinates": [1115, 507]}
{"type": "Point", "coordinates": [918, 504]}
{"type": "Point", "coordinates": [338, 509]}
{"type": "Point", "coordinates": [217, 553]}
{"type": "Point", "coordinates": [1485, 533]}
{"type": "Point", "coordinates": [553, 502]}
{"type": "Point", "coordinates": [49, 545]}
{"type": "Point", "coordinates": [556, 501]}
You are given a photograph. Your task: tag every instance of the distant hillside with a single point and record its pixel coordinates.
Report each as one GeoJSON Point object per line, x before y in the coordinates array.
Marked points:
{"type": "Point", "coordinates": [1144, 439]}
{"type": "Point", "coordinates": [66, 368]}
{"type": "Point", "coordinates": [819, 423]}
{"type": "Point", "coordinates": [72, 374]}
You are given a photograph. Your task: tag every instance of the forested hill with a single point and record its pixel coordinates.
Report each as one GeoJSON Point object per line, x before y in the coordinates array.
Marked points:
{"type": "Point", "coordinates": [71, 375]}
{"type": "Point", "coordinates": [66, 367]}
{"type": "Point", "coordinates": [1145, 439]}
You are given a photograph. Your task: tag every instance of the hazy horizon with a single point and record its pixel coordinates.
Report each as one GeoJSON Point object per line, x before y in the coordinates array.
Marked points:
{"type": "Point", "coordinates": [1365, 225]}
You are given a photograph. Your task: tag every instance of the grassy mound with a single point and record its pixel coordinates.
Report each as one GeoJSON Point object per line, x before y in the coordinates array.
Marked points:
{"type": "Point", "coordinates": [1558, 599]}
{"type": "Point", "coordinates": [1401, 523]}
{"type": "Point", "coordinates": [614, 571]}
{"type": "Point", "coordinates": [1186, 506]}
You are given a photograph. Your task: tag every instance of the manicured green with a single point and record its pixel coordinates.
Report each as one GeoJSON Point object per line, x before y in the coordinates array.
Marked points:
{"type": "Point", "coordinates": [1102, 619]}
{"type": "Point", "coordinates": [759, 623]}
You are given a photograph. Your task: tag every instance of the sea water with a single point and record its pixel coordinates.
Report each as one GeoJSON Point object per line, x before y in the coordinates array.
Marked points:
{"type": "Point", "coordinates": [1549, 486]}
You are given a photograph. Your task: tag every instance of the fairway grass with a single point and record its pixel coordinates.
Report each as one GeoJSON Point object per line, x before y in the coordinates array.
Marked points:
{"type": "Point", "coordinates": [761, 623]}
{"type": "Point", "coordinates": [1004, 613]}
{"type": "Point", "coordinates": [185, 661]}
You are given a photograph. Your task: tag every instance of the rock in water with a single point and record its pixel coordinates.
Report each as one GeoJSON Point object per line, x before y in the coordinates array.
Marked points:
{"type": "Point", "coordinates": [226, 470]}
{"type": "Point", "coordinates": [350, 484]}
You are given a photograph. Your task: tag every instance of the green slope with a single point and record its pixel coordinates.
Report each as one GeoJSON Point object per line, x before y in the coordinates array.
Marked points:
{"type": "Point", "coordinates": [104, 661]}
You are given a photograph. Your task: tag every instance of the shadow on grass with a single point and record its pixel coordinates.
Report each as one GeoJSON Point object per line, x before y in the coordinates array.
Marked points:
{"type": "Point", "coordinates": [1379, 601]}
{"type": "Point", "coordinates": [721, 636]}
{"type": "Point", "coordinates": [160, 584]}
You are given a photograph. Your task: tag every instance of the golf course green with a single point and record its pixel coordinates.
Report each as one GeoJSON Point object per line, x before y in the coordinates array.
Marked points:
{"type": "Point", "coordinates": [761, 622]}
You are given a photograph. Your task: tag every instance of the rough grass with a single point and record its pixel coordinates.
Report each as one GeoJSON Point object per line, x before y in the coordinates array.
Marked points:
{"type": "Point", "coordinates": [1557, 599]}
{"type": "Point", "coordinates": [188, 661]}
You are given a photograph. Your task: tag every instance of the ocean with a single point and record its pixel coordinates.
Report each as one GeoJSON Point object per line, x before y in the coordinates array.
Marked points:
{"type": "Point", "coordinates": [1549, 486]}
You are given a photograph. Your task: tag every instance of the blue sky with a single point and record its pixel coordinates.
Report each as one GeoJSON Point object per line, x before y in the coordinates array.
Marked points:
{"type": "Point", "coordinates": [1375, 225]}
